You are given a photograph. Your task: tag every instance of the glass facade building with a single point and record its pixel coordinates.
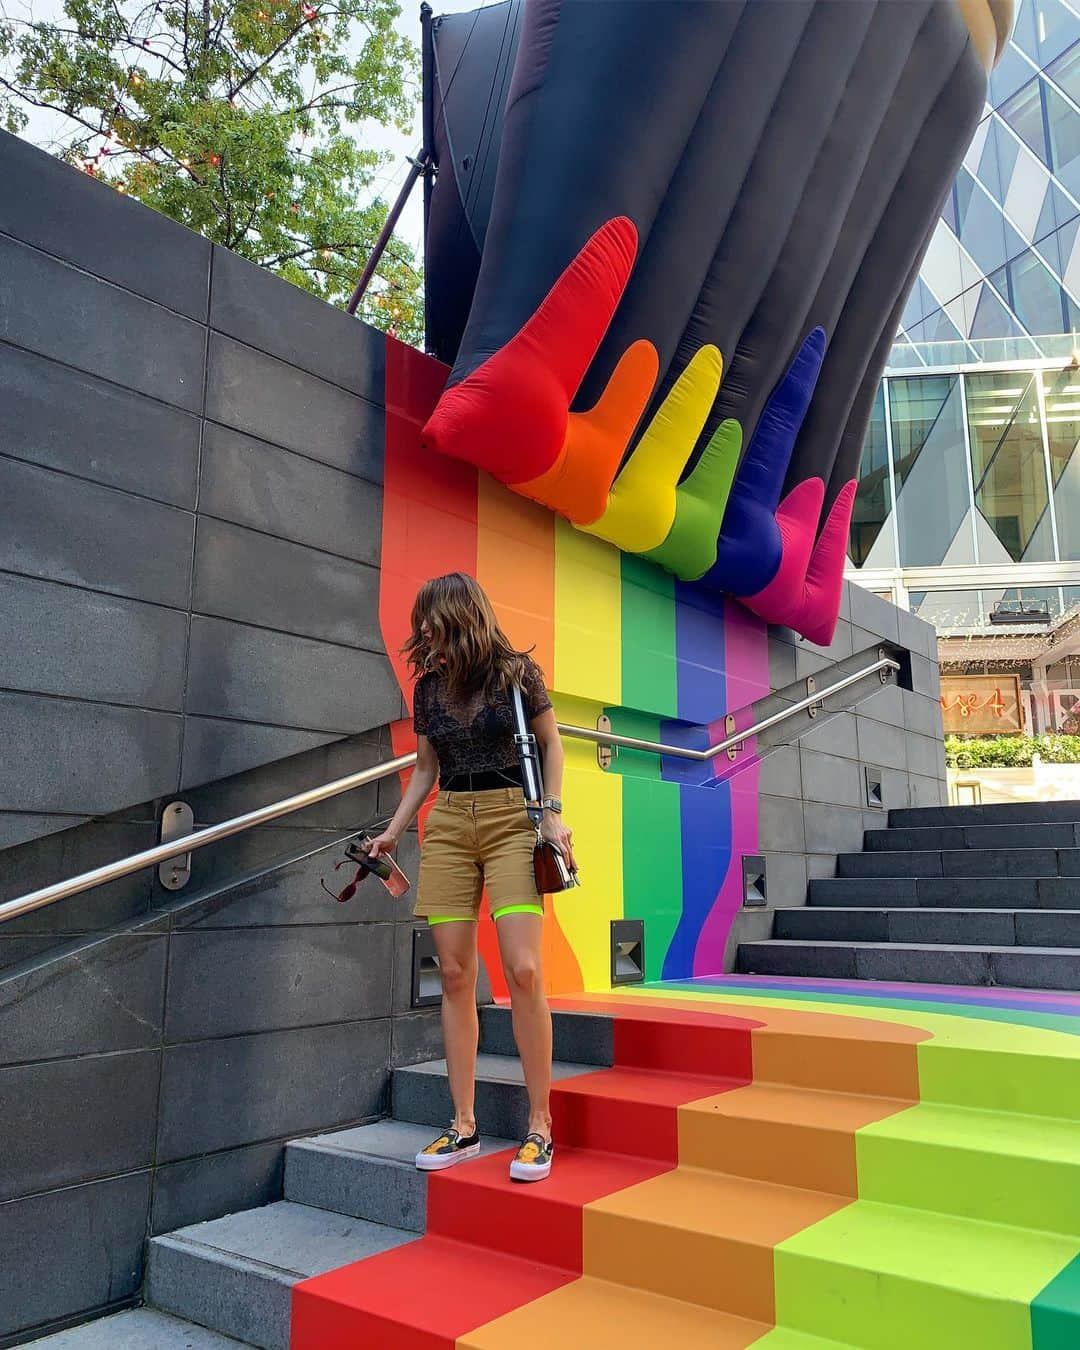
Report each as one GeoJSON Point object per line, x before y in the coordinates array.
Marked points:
{"type": "Point", "coordinates": [1003, 267]}
{"type": "Point", "coordinates": [968, 509]}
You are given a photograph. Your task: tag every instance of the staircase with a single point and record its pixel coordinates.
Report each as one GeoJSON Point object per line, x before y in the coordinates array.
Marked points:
{"type": "Point", "coordinates": [965, 895]}
{"type": "Point", "coordinates": [721, 1181]}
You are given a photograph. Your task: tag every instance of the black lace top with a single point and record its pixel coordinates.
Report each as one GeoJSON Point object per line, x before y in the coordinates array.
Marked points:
{"type": "Point", "coordinates": [471, 735]}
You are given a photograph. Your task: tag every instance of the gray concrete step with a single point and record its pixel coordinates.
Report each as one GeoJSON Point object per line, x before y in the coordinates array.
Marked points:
{"type": "Point", "coordinates": [579, 1037]}
{"type": "Point", "coordinates": [961, 862]}
{"type": "Point", "coordinates": [139, 1329]}
{"type": "Point", "coordinates": [967, 927]}
{"type": "Point", "coordinates": [994, 813]}
{"type": "Point", "coordinates": [946, 892]}
{"type": "Point", "coordinates": [1024, 836]}
{"type": "Point", "coordinates": [235, 1275]}
{"type": "Point", "coordinates": [421, 1094]}
{"type": "Point", "coordinates": [924, 963]}
{"type": "Point", "coordinates": [368, 1172]}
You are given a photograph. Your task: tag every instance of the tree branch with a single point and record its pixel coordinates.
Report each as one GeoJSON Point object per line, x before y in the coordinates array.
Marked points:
{"type": "Point", "coordinates": [253, 74]}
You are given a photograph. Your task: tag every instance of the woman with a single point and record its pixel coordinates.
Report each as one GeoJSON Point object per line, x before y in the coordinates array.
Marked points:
{"type": "Point", "coordinates": [478, 834]}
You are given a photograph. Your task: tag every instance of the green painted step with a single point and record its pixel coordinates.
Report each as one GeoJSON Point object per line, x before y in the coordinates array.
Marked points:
{"type": "Point", "coordinates": [883, 1277]}
{"type": "Point", "coordinates": [995, 1166]}
{"type": "Point", "coordinates": [783, 1338]}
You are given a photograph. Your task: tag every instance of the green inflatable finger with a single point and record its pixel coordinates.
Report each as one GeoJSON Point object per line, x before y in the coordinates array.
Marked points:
{"type": "Point", "coordinates": [690, 547]}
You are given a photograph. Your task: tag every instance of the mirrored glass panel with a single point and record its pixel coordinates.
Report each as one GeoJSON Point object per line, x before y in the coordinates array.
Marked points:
{"type": "Point", "coordinates": [1061, 391]}
{"type": "Point", "coordinates": [933, 519]}
{"type": "Point", "coordinates": [1024, 113]}
{"type": "Point", "coordinates": [873, 501]}
{"type": "Point", "coordinates": [1008, 468]}
{"type": "Point", "coordinates": [949, 611]}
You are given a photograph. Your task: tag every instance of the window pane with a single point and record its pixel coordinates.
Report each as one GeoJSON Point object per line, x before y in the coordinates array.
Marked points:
{"type": "Point", "coordinates": [1036, 295]}
{"type": "Point", "coordinates": [1007, 463]}
{"type": "Point", "coordinates": [1024, 114]}
{"type": "Point", "coordinates": [1062, 393]}
{"type": "Point", "coordinates": [1066, 71]}
{"type": "Point", "coordinates": [1045, 28]}
{"type": "Point", "coordinates": [873, 500]}
{"type": "Point", "coordinates": [931, 475]}
{"type": "Point", "coordinates": [982, 232]}
{"type": "Point", "coordinates": [1064, 124]}
{"type": "Point", "coordinates": [949, 611]}
{"type": "Point", "coordinates": [1011, 72]}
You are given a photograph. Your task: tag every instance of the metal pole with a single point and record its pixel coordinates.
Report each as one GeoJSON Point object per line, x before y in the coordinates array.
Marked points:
{"type": "Point", "coordinates": [423, 164]}
{"type": "Point", "coordinates": [427, 97]}
{"type": "Point", "coordinates": [417, 167]}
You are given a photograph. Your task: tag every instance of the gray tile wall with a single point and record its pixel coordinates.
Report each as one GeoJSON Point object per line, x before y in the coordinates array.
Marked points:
{"type": "Point", "coordinates": [190, 508]}
{"type": "Point", "coordinates": [813, 802]}
{"type": "Point", "coordinates": [151, 1072]}
{"type": "Point", "coordinates": [190, 518]}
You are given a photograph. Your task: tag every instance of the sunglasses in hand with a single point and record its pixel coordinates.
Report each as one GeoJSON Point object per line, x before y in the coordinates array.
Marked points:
{"type": "Point", "coordinates": [384, 867]}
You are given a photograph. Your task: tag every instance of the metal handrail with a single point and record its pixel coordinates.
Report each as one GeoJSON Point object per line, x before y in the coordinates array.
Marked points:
{"type": "Point", "coordinates": [151, 857]}
{"type": "Point", "coordinates": [729, 742]}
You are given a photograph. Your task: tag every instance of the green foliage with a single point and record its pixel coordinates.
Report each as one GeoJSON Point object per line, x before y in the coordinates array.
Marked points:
{"type": "Point", "coordinates": [235, 118]}
{"type": "Point", "coordinates": [1009, 752]}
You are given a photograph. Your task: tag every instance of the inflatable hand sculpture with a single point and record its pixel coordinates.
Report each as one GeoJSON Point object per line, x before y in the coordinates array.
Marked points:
{"type": "Point", "coordinates": [648, 511]}
{"type": "Point", "coordinates": [511, 416]}
{"type": "Point", "coordinates": [790, 176]}
{"type": "Point", "coordinates": [766, 552]}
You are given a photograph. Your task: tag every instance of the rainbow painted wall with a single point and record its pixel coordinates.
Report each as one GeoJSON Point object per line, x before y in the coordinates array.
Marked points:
{"type": "Point", "coordinates": [660, 840]}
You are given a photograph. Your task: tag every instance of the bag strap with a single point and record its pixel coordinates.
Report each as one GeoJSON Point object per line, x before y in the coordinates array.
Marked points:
{"type": "Point", "coordinates": [532, 781]}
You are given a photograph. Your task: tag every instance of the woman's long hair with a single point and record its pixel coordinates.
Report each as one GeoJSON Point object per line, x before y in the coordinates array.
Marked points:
{"type": "Point", "coordinates": [463, 640]}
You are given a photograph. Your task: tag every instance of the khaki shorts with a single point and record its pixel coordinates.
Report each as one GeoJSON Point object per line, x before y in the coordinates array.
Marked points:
{"type": "Point", "coordinates": [473, 840]}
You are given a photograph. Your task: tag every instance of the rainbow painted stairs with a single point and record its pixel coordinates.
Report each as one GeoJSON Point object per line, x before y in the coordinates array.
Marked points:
{"type": "Point", "coordinates": [783, 1164]}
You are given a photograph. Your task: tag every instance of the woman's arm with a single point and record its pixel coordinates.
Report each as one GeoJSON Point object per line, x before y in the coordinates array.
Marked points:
{"type": "Point", "coordinates": [546, 731]}
{"type": "Point", "coordinates": [420, 784]}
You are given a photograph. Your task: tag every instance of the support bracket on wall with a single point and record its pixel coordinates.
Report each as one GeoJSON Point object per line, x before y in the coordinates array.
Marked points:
{"type": "Point", "coordinates": [604, 753]}
{"type": "Point", "coordinates": [883, 675]}
{"type": "Point", "coordinates": [729, 730]}
{"type": "Point", "coordinates": [811, 688]}
{"type": "Point", "coordinates": [177, 820]}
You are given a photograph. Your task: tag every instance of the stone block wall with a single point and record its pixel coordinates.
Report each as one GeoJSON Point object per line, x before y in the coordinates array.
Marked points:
{"type": "Point", "coordinates": [813, 801]}
{"type": "Point", "coordinates": [190, 508]}
{"type": "Point", "coordinates": [159, 1048]}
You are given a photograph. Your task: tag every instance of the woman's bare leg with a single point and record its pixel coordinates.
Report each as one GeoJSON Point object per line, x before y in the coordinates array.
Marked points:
{"type": "Point", "coordinates": [519, 946]}
{"type": "Point", "coordinates": [455, 944]}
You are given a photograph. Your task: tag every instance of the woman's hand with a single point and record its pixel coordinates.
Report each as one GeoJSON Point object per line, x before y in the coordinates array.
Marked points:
{"type": "Point", "coordinates": [560, 835]}
{"type": "Point", "coordinates": [381, 843]}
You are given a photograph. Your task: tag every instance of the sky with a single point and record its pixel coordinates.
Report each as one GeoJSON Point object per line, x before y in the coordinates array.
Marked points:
{"type": "Point", "coordinates": [43, 126]}
{"type": "Point", "coordinates": [402, 148]}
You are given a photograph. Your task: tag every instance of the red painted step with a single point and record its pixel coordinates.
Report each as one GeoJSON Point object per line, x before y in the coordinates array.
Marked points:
{"type": "Point", "coordinates": [494, 1245]}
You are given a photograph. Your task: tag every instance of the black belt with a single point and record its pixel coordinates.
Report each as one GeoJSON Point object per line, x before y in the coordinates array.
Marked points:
{"type": "Point", "coordinates": [483, 781]}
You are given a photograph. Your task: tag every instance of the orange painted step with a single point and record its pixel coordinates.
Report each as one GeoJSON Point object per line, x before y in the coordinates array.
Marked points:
{"type": "Point", "coordinates": [593, 1314]}
{"type": "Point", "coordinates": [772, 1132]}
{"type": "Point", "coordinates": [700, 1236]}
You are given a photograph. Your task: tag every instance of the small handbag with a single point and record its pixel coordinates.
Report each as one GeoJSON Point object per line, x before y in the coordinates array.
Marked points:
{"type": "Point", "coordinates": [550, 868]}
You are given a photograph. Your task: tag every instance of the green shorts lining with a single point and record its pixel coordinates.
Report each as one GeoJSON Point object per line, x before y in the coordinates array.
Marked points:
{"type": "Point", "coordinates": [529, 908]}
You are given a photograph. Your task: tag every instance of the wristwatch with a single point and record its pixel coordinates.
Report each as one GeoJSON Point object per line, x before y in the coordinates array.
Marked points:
{"type": "Point", "coordinates": [552, 804]}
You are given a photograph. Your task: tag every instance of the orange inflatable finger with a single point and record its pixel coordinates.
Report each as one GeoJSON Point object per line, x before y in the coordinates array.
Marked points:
{"type": "Point", "coordinates": [578, 483]}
